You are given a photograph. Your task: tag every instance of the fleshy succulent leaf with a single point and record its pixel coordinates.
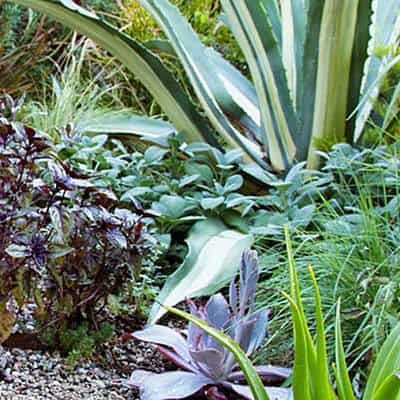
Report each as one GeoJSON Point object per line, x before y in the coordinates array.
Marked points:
{"type": "Point", "coordinates": [169, 385]}
{"type": "Point", "coordinates": [257, 331]}
{"type": "Point", "coordinates": [269, 374]}
{"type": "Point", "coordinates": [166, 337]}
{"type": "Point", "coordinates": [210, 361]}
{"type": "Point", "coordinates": [273, 393]}
{"type": "Point", "coordinates": [217, 312]}
{"type": "Point", "coordinates": [206, 354]}
{"type": "Point", "coordinates": [177, 359]}
{"type": "Point", "coordinates": [249, 274]}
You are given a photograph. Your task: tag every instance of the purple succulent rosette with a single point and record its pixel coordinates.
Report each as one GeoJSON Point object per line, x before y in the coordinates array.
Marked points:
{"type": "Point", "coordinates": [207, 366]}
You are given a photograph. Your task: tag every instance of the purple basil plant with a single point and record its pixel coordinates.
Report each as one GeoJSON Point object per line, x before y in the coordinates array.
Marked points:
{"type": "Point", "coordinates": [206, 367]}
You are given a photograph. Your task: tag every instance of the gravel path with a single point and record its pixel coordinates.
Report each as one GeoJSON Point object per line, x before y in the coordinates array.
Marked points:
{"type": "Point", "coordinates": [39, 375]}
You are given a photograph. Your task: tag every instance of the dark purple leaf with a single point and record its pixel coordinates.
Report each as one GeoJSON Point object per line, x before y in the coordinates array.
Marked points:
{"type": "Point", "coordinates": [117, 238]}
{"type": "Point", "coordinates": [213, 393]}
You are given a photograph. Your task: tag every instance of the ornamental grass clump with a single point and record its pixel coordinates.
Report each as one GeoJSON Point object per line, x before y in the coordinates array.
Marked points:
{"type": "Point", "coordinates": [209, 368]}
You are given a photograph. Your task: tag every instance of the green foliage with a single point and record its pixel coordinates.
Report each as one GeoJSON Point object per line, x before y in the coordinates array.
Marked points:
{"type": "Point", "coordinates": [25, 39]}
{"type": "Point", "coordinates": [74, 96]}
{"type": "Point", "coordinates": [78, 343]}
{"type": "Point", "coordinates": [204, 16]}
{"type": "Point", "coordinates": [311, 376]}
{"type": "Point", "coordinates": [352, 244]}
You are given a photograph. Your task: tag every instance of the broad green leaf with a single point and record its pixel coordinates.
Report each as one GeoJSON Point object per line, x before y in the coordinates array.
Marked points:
{"type": "Point", "coordinates": [213, 258]}
{"type": "Point", "coordinates": [322, 387]}
{"type": "Point", "coordinates": [154, 154]}
{"type": "Point", "coordinates": [301, 378]}
{"type": "Point", "coordinates": [149, 129]}
{"type": "Point", "coordinates": [390, 389]}
{"type": "Point", "coordinates": [343, 381]}
{"type": "Point", "coordinates": [146, 66]}
{"type": "Point", "coordinates": [385, 32]}
{"type": "Point", "coordinates": [200, 71]}
{"type": "Point", "coordinates": [172, 206]}
{"type": "Point", "coordinates": [245, 365]}
{"type": "Point", "coordinates": [209, 203]}
{"type": "Point", "coordinates": [233, 183]}
{"type": "Point", "coordinates": [386, 364]}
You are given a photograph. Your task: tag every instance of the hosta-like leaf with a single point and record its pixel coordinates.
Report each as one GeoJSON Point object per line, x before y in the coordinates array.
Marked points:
{"type": "Point", "coordinates": [123, 124]}
{"type": "Point", "coordinates": [147, 67]}
{"type": "Point", "coordinates": [212, 260]}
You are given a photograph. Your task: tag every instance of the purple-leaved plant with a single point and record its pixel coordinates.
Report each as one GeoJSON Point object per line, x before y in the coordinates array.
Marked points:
{"type": "Point", "coordinates": [207, 367]}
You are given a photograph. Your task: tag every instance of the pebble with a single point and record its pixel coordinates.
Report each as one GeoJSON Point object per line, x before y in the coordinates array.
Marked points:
{"type": "Point", "coordinates": [40, 375]}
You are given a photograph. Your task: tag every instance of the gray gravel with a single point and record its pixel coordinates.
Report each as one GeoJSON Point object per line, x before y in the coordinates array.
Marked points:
{"type": "Point", "coordinates": [39, 375]}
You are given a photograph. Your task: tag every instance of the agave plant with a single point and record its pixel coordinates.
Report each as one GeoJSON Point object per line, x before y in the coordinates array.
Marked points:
{"type": "Point", "coordinates": [207, 365]}
{"type": "Point", "coordinates": [311, 62]}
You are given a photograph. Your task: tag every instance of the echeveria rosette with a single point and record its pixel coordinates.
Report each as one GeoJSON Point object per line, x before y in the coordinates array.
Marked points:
{"type": "Point", "coordinates": [208, 366]}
